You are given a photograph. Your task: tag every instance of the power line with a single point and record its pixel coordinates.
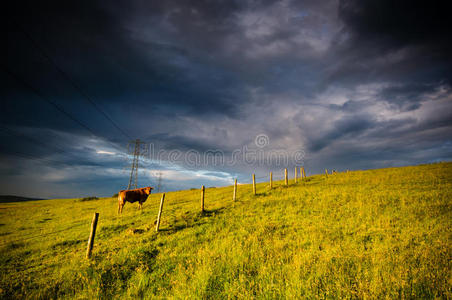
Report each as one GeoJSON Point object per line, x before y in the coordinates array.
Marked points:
{"type": "Point", "coordinates": [34, 157]}
{"type": "Point", "coordinates": [73, 83]}
{"type": "Point", "coordinates": [18, 134]}
{"type": "Point", "coordinates": [56, 106]}
{"type": "Point", "coordinates": [59, 108]}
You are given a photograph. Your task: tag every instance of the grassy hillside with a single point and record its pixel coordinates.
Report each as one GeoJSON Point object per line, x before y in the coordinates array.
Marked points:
{"type": "Point", "coordinates": [377, 233]}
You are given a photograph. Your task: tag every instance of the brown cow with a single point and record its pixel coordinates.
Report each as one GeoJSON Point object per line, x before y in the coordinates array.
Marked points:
{"type": "Point", "coordinates": [131, 196]}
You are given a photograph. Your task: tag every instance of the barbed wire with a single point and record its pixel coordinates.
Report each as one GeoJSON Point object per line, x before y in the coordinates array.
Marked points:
{"type": "Point", "coordinates": [9, 242]}
{"type": "Point", "coordinates": [26, 237]}
{"type": "Point", "coordinates": [173, 207]}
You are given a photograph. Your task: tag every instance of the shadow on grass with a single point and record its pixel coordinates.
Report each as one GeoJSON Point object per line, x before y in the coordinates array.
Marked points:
{"type": "Point", "coordinates": [66, 243]}
{"type": "Point", "coordinates": [44, 220]}
{"type": "Point", "coordinates": [262, 194]}
{"type": "Point", "coordinates": [197, 220]}
{"type": "Point", "coordinates": [107, 231]}
{"type": "Point", "coordinates": [13, 246]}
{"type": "Point", "coordinates": [111, 277]}
{"type": "Point", "coordinates": [211, 212]}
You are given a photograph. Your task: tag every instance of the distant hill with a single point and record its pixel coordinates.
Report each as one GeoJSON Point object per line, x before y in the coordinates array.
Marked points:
{"type": "Point", "coordinates": [10, 198]}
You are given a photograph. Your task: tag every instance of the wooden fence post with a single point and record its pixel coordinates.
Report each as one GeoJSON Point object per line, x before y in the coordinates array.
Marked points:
{"type": "Point", "coordinates": [271, 180]}
{"type": "Point", "coordinates": [254, 184]}
{"type": "Point", "coordinates": [234, 197]}
{"type": "Point", "coordinates": [296, 174]}
{"type": "Point", "coordinates": [92, 235]}
{"type": "Point", "coordinates": [286, 180]}
{"type": "Point", "coordinates": [202, 198]}
{"type": "Point", "coordinates": [160, 213]}
{"type": "Point", "coordinates": [326, 173]}
{"type": "Point", "coordinates": [304, 173]}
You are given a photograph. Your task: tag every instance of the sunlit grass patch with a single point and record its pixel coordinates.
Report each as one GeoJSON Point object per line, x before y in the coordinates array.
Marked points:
{"type": "Point", "coordinates": [377, 233]}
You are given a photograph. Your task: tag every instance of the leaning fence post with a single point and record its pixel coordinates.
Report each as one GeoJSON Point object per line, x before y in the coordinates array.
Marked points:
{"type": "Point", "coordinates": [234, 197]}
{"type": "Point", "coordinates": [92, 235]}
{"type": "Point", "coordinates": [286, 181]}
{"type": "Point", "coordinates": [160, 213]}
{"type": "Point", "coordinates": [202, 198]}
{"type": "Point", "coordinates": [254, 184]}
{"type": "Point", "coordinates": [271, 180]}
{"type": "Point", "coordinates": [296, 174]}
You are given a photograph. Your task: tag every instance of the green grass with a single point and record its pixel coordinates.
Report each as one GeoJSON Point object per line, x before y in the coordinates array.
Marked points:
{"type": "Point", "coordinates": [365, 234]}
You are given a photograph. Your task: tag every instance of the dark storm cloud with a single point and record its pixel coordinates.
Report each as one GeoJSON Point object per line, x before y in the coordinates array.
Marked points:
{"type": "Point", "coordinates": [343, 127]}
{"type": "Point", "coordinates": [100, 47]}
{"type": "Point", "coordinates": [403, 41]}
{"type": "Point", "coordinates": [394, 24]}
{"type": "Point", "coordinates": [355, 84]}
{"type": "Point", "coordinates": [177, 142]}
{"type": "Point", "coordinates": [407, 97]}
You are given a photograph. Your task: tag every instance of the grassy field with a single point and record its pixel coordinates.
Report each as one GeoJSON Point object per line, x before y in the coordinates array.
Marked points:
{"type": "Point", "coordinates": [380, 233]}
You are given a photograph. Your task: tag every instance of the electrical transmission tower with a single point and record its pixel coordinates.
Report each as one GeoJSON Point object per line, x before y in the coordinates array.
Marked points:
{"type": "Point", "coordinates": [133, 180]}
{"type": "Point", "coordinates": [159, 183]}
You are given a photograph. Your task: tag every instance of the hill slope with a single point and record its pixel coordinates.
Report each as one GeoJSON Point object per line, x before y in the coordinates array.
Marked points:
{"type": "Point", "coordinates": [11, 198]}
{"type": "Point", "coordinates": [377, 233]}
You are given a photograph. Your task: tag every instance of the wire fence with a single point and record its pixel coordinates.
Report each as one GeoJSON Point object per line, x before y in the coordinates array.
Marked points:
{"type": "Point", "coordinates": [175, 208]}
{"type": "Point", "coordinates": [29, 237]}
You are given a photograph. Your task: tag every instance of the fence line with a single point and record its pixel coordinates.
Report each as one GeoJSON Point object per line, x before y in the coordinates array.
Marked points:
{"type": "Point", "coordinates": [174, 206]}
{"type": "Point", "coordinates": [32, 237]}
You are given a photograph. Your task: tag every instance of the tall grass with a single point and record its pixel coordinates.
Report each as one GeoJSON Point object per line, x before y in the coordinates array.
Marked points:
{"type": "Point", "coordinates": [378, 233]}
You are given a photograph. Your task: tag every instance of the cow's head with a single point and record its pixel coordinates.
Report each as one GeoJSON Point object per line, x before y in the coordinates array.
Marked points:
{"type": "Point", "coordinates": [148, 190]}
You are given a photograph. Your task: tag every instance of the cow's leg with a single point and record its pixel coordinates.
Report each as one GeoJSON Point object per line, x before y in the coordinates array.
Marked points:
{"type": "Point", "coordinates": [120, 206]}
{"type": "Point", "coordinates": [140, 205]}
{"type": "Point", "coordinates": [121, 203]}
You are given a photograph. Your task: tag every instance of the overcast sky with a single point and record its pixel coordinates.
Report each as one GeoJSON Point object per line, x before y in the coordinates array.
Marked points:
{"type": "Point", "coordinates": [327, 84]}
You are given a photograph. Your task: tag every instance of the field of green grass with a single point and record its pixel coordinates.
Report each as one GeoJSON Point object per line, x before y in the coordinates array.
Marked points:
{"type": "Point", "coordinates": [367, 234]}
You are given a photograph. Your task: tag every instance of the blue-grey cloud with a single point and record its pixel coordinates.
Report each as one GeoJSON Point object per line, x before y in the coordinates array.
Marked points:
{"type": "Point", "coordinates": [353, 84]}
